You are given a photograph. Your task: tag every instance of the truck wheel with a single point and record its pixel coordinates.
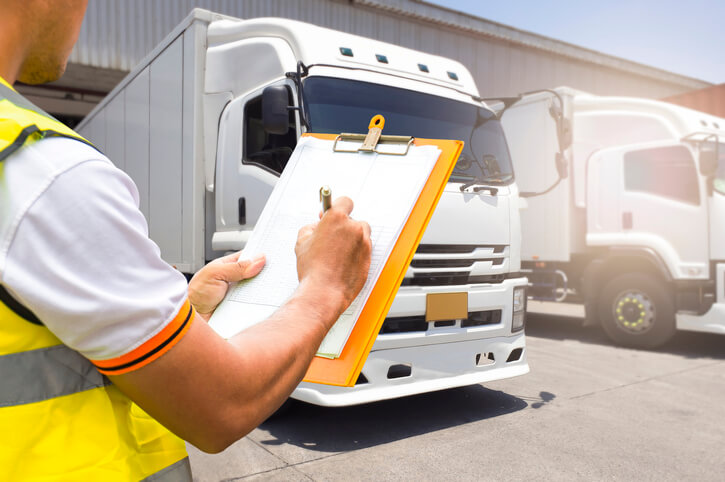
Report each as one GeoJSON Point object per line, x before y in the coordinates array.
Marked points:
{"type": "Point", "coordinates": [637, 310]}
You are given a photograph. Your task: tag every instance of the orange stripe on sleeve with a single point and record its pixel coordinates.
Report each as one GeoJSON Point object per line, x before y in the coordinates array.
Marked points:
{"type": "Point", "coordinates": [153, 348]}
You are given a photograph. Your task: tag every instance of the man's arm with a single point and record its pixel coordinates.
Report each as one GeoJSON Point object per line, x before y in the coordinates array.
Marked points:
{"type": "Point", "coordinates": [211, 391]}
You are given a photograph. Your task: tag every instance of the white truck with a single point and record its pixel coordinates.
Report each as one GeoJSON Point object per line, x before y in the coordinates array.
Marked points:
{"type": "Point", "coordinates": [205, 124]}
{"type": "Point", "coordinates": [624, 210]}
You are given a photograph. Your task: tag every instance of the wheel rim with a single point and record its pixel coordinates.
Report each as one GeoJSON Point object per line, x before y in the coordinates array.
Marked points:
{"type": "Point", "coordinates": [633, 312]}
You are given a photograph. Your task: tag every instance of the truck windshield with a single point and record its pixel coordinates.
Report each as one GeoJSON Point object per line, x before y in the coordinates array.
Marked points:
{"type": "Point", "coordinates": [339, 105]}
{"type": "Point", "coordinates": [719, 183]}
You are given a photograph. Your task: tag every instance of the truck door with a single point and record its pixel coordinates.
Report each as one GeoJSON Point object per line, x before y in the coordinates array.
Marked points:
{"type": "Point", "coordinates": [650, 196]}
{"type": "Point", "coordinates": [717, 209]}
{"type": "Point", "coordinates": [546, 222]}
{"type": "Point", "coordinates": [249, 162]}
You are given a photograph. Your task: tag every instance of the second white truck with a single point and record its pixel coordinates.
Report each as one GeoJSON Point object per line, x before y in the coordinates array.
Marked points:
{"type": "Point", "coordinates": [623, 210]}
{"type": "Point", "coordinates": [205, 124]}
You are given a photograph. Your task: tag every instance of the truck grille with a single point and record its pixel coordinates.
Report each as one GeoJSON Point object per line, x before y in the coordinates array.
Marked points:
{"type": "Point", "coordinates": [451, 279]}
{"type": "Point", "coordinates": [404, 324]}
{"type": "Point", "coordinates": [458, 248]}
{"type": "Point", "coordinates": [457, 264]}
{"type": "Point", "coordinates": [410, 324]}
{"type": "Point", "coordinates": [452, 263]}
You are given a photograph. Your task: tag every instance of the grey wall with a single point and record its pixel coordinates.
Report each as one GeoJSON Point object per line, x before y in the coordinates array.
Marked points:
{"type": "Point", "coordinates": [117, 34]}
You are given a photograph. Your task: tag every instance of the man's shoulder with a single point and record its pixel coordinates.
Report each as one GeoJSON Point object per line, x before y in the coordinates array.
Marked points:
{"type": "Point", "coordinates": [55, 155]}
{"type": "Point", "coordinates": [30, 170]}
{"type": "Point", "coordinates": [28, 173]}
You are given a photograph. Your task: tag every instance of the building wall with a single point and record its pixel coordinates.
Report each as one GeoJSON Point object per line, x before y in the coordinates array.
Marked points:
{"type": "Point", "coordinates": [709, 99]}
{"type": "Point", "coordinates": [117, 34]}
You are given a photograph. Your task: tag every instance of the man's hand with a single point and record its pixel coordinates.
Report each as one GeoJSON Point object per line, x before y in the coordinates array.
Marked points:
{"type": "Point", "coordinates": [335, 253]}
{"type": "Point", "coordinates": [210, 284]}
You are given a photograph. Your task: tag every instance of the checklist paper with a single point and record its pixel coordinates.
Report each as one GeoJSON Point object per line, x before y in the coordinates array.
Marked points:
{"type": "Point", "coordinates": [384, 189]}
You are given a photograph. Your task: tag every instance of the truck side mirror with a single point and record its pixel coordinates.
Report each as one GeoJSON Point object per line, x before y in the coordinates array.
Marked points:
{"type": "Point", "coordinates": [563, 126]}
{"type": "Point", "coordinates": [275, 111]}
{"type": "Point", "coordinates": [708, 159]}
{"type": "Point", "coordinates": [565, 134]}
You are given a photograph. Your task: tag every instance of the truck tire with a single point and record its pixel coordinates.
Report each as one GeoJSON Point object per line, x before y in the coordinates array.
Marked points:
{"type": "Point", "coordinates": [637, 310]}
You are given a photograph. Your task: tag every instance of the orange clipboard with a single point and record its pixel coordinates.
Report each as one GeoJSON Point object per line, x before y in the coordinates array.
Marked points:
{"type": "Point", "coordinates": [344, 370]}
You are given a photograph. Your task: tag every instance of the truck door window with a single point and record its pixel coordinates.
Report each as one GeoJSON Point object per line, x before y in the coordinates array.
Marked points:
{"type": "Point", "coordinates": [663, 171]}
{"type": "Point", "coordinates": [268, 151]}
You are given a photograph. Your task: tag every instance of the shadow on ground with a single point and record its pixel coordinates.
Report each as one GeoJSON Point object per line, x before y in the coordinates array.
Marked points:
{"type": "Point", "coordinates": [686, 344]}
{"type": "Point", "coordinates": [349, 428]}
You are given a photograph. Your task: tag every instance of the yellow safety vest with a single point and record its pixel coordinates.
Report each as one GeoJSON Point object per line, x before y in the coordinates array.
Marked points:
{"type": "Point", "coordinates": [60, 419]}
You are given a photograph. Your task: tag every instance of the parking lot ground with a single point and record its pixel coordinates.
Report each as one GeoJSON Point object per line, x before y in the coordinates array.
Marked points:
{"type": "Point", "coordinates": [587, 410]}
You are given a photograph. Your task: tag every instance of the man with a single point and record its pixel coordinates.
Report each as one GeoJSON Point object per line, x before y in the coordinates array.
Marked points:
{"type": "Point", "coordinates": [83, 291]}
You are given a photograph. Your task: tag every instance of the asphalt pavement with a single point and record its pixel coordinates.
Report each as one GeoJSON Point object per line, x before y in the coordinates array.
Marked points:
{"type": "Point", "coordinates": [588, 410]}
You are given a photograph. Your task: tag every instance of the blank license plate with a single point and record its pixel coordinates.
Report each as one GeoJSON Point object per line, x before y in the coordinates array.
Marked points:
{"type": "Point", "coordinates": [446, 306]}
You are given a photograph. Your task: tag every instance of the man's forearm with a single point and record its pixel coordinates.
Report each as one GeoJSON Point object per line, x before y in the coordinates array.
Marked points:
{"type": "Point", "coordinates": [281, 348]}
{"type": "Point", "coordinates": [212, 392]}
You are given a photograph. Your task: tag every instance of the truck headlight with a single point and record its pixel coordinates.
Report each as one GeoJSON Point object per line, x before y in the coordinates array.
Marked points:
{"type": "Point", "coordinates": [519, 310]}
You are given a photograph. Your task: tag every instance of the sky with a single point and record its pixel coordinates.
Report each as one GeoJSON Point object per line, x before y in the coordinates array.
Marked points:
{"type": "Point", "coordinates": [685, 37]}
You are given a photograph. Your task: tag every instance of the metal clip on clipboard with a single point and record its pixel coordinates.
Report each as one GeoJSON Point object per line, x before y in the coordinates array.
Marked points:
{"type": "Point", "coordinates": [373, 139]}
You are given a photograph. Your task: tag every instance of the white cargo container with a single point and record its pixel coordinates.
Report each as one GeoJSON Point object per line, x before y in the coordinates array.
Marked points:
{"type": "Point", "coordinates": [189, 125]}
{"type": "Point", "coordinates": [624, 210]}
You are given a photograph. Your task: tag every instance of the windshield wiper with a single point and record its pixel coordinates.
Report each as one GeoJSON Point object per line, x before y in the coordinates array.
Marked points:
{"type": "Point", "coordinates": [487, 163]}
{"type": "Point", "coordinates": [478, 186]}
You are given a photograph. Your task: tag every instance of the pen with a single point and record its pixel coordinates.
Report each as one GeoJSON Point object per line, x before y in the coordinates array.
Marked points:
{"type": "Point", "coordinates": [326, 198]}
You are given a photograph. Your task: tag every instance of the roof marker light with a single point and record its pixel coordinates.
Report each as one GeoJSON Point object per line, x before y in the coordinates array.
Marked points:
{"type": "Point", "coordinates": [452, 75]}
{"type": "Point", "coordinates": [423, 68]}
{"type": "Point", "coordinates": [347, 52]}
{"type": "Point", "coordinates": [381, 58]}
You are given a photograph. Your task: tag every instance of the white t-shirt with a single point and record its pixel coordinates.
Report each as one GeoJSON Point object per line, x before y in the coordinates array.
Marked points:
{"type": "Point", "coordinates": [74, 249]}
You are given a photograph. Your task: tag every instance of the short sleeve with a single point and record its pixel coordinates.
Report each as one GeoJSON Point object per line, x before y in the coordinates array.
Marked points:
{"type": "Point", "coordinates": [81, 261]}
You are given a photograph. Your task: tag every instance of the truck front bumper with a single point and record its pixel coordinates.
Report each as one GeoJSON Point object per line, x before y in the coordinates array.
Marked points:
{"type": "Point", "coordinates": [403, 364]}
{"type": "Point", "coordinates": [714, 320]}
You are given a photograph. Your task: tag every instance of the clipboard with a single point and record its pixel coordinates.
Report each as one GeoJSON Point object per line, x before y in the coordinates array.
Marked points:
{"type": "Point", "coordinates": [344, 370]}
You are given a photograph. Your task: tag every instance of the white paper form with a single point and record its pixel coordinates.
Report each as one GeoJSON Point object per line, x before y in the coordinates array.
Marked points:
{"type": "Point", "coordinates": [384, 189]}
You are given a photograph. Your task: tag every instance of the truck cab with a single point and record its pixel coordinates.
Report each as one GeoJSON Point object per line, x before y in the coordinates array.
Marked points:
{"type": "Point", "coordinates": [639, 213]}
{"type": "Point", "coordinates": [331, 82]}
